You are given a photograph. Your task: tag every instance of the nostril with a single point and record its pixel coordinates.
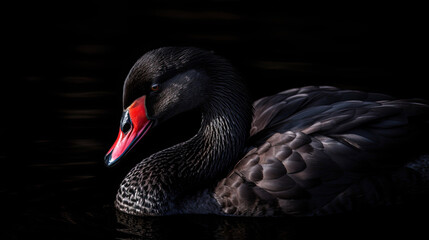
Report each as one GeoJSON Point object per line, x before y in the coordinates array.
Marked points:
{"type": "Point", "coordinates": [126, 124]}
{"type": "Point", "coordinates": [126, 127]}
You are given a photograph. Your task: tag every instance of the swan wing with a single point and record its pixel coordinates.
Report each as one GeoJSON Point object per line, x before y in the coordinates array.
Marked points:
{"type": "Point", "coordinates": [317, 152]}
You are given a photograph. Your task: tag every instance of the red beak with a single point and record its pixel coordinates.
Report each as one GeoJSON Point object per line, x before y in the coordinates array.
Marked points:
{"type": "Point", "coordinates": [134, 125]}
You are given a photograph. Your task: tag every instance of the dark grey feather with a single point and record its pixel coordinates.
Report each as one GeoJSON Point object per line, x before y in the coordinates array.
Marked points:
{"type": "Point", "coordinates": [317, 148]}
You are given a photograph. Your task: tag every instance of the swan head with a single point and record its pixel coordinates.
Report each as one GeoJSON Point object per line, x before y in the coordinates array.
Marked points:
{"type": "Point", "coordinates": [161, 84]}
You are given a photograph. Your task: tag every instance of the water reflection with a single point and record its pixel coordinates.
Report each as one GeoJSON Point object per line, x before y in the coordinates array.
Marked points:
{"type": "Point", "coordinates": [380, 223]}
{"type": "Point", "coordinates": [205, 227]}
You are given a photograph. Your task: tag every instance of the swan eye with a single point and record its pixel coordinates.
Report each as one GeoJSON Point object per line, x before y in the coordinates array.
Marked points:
{"type": "Point", "coordinates": [154, 87]}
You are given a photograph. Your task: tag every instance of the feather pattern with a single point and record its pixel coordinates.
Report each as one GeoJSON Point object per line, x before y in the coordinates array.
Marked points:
{"type": "Point", "coordinates": [314, 150]}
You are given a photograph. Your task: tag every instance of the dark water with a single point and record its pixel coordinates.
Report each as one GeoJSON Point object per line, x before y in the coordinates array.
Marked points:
{"type": "Point", "coordinates": [61, 104]}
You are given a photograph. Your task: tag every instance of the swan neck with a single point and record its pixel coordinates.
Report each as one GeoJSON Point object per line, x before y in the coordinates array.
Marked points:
{"type": "Point", "coordinates": [224, 130]}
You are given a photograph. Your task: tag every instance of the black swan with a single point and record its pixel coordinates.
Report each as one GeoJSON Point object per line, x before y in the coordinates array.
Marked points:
{"type": "Point", "coordinates": [305, 151]}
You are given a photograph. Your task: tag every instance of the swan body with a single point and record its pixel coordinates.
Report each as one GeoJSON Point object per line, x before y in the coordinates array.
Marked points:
{"type": "Point", "coordinates": [305, 151]}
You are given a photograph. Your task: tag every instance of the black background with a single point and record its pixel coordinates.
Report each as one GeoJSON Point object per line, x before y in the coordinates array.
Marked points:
{"type": "Point", "coordinates": [64, 64]}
